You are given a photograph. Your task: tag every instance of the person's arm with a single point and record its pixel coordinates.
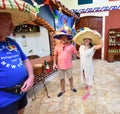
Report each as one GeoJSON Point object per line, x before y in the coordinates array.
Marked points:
{"type": "Point", "coordinates": [30, 80]}
{"type": "Point", "coordinates": [99, 45]}
{"type": "Point", "coordinates": [76, 53]}
{"type": "Point", "coordinates": [55, 58]}
{"type": "Point", "coordinates": [55, 62]}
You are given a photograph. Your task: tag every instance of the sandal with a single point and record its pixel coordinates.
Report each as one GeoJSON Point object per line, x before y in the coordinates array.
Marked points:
{"type": "Point", "coordinates": [74, 90]}
{"type": "Point", "coordinates": [85, 96]}
{"type": "Point", "coordinates": [60, 94]}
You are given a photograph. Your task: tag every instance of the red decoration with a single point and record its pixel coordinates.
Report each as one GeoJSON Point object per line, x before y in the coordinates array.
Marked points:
{"type": "Point", "coordinates": [47, 69]}
{"type": "Point", "coordinates": [47, 2]}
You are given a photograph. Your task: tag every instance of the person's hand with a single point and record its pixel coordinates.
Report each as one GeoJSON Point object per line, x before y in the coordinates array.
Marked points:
{"type": "Point", "coordinates": [54, 66]}
{"type": "Point", "coordinates": [27, 84]}
{"type": "Point", "coordinates": [78, 55]}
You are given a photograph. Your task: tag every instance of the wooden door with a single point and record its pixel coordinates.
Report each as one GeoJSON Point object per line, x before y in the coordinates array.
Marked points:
{"type": "Point", "coordinates": [92, 22]}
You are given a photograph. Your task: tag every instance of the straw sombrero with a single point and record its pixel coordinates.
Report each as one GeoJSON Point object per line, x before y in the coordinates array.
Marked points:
{"type": "Point", "coordinates": [21, 11]}
{"type": "Point", "coordinates": [63, 33]}
{"type": "Point", "coordinates": [87, 33]}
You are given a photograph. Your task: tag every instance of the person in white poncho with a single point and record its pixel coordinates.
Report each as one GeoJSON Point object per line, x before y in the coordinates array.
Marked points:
{"type": "Point", "coordinates": [89, 41]}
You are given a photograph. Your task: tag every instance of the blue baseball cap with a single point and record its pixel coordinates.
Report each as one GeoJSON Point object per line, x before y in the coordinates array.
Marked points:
{"type": "Point", "coordinates": [63, 33]}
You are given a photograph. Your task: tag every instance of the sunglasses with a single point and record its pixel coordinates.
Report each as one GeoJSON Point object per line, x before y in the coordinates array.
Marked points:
{"type": "Point", "coordinates": [87, 39]}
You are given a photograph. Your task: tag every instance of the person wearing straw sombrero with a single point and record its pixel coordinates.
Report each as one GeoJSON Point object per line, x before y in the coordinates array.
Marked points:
{"type": "Point", "coordinates": [89, 41]}
{"type": "Point", "coordinates": [16, 73]}
{"type": "Point", "coordinates": [63, 59]}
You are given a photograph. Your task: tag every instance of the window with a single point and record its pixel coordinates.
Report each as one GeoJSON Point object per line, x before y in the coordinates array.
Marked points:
{"type": "Point", "coordinates": [80, 2]}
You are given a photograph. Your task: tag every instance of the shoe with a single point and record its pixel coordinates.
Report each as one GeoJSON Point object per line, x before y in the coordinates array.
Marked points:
{"type": "Point", "coordinates": [74, 90]}
{"type": "Point", "coordinates": [85, 96]}
{"type": "Point", "coordinates": [60, 94]}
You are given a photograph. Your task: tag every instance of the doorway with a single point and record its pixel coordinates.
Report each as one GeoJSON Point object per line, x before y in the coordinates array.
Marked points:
{"type": "Point", "coordinates": [95, 23]}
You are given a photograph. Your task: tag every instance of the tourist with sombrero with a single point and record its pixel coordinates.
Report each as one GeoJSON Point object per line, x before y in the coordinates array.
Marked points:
{"type": "Point", "coordinates": [16, 73]}
{"type": "Point", "coordinates": [63, 59]}
{"type": "Point", "coordinates": [89, 41]}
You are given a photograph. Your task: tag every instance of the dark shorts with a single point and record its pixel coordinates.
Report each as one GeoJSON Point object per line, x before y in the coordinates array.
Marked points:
{"type": "Point", "coordinates": [14, 107]}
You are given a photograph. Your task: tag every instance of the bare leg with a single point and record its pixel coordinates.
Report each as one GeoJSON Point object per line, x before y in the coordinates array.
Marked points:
{"type": "Point", "coordinates": [88, 88]}
{"type": "Point", "coordinates": [71, 83]}
{"type": "Point", "coordinates": [62, 84]}
{"type": "Point", "coordinates": [21, 111]}
{"type": "Point", "coordinates": [87, 94]}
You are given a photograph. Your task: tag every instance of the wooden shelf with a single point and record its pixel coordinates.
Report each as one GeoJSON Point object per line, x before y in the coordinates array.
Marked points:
{"type": "Point", "coordinates": [114, 45]}
{"type": "Point", "coordinates": [26, 28]}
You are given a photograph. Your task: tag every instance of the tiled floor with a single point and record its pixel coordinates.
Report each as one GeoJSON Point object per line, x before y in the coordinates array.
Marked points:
{"type": "Point", "coordinates": [104, 99]}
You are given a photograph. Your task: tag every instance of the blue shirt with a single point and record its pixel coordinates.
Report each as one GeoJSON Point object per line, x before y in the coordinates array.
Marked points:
{"type": "Point", "coordinates": [12, 70]}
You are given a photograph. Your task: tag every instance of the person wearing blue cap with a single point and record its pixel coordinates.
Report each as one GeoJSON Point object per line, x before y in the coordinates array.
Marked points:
{"type": "Point", "coordinates": [63, 59]}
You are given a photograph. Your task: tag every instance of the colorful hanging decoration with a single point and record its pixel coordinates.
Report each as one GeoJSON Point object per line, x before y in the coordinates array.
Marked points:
{"type": "Point", "coordinates": [63, 21]}
{"type": "Point", "coordinates": [37, 6]}
{"type": "Point", "coordinates": [47, 2]}
{"type": "Point", "coordinates": [21, 11]}
{"type": "Point", "coordinates": [55, 16]}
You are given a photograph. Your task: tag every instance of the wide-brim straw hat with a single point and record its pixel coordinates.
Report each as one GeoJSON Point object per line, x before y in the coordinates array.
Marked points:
{"type": "Point", "coordinates": [60, 33]}
{"type": "Point", "coordinates": [21, 11]}
{"type": "Point", "coordinates": [87, 33]}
